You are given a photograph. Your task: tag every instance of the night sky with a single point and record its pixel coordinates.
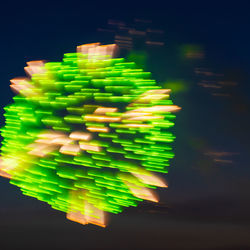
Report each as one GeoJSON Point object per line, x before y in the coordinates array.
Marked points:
{"type": "Point", "coordinates": [207, 203]}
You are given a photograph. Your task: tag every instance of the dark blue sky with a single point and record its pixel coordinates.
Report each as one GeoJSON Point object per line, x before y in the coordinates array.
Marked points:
{"type": "Point", "coordinates": [204, 197]}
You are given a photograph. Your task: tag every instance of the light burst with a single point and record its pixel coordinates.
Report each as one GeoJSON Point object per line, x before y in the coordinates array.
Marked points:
{"type": "Point", "coordinates": [88, 135]}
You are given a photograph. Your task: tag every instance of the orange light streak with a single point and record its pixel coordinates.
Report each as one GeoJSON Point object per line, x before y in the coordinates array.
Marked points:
{"type": "Point", "coordinates": [159, 108]}
{"type": "Point", "coordinates": [70, 149]}
{"type": "Point", "coordinates": [151, 180]}
{"type": "Point", "coordinates": [142, 192]}
{"type": "Point", "coordinates": [98, 118]}
{"type": "Point", "coordinates": [104, 110]}
{"type": "Point", "coordinates": [84, 146]}
{"type": "Point", "coordinates": [98, 129]}
{"type": "Point", "coordinates": [77, 135]}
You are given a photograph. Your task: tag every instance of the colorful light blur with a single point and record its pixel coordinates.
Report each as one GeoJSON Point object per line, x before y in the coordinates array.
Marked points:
{"type": "Point", "coordinates": [88, 135]}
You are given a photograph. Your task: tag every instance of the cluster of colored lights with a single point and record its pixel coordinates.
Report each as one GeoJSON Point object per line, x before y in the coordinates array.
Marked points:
{"type": "Point", "coordinates": [86, 134]}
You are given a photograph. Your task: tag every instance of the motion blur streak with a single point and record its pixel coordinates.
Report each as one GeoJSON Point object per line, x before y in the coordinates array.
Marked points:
{"type": "Point", "coordinates": [88, 135]}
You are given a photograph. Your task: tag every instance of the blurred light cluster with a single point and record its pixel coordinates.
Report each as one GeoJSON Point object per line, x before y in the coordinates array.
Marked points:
{"type": "Point", "coordinates": [139, 34]}
{"type": "Point", "coordinates": [215, 83]}
{"type": "Point", "coordinates": [192, 51]}
{"type": "Point", "coordinates": [88, 135]}
{"type": "Point", "coordinates": [221, 157]}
